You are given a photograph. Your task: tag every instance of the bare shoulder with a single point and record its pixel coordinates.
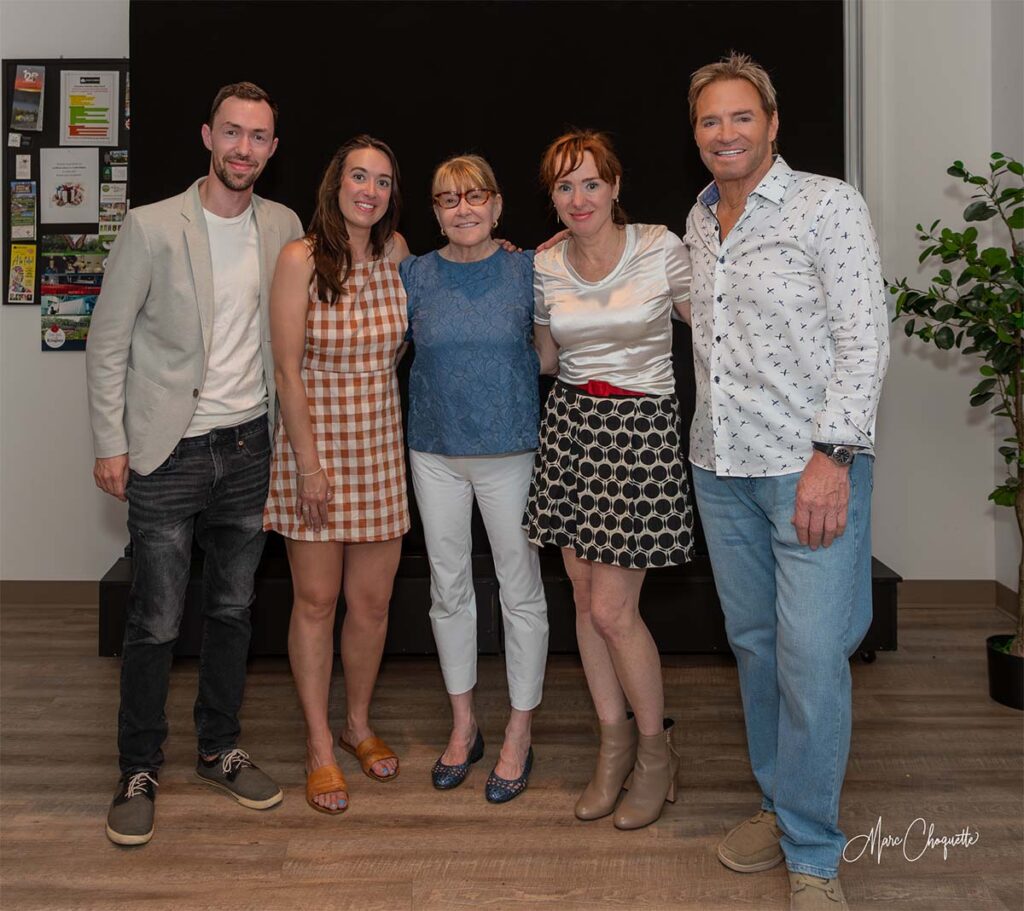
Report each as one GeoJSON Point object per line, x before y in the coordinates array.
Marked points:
{"type": "Point", "coordinates": [397, 249]}
{"type": "Point", "coordinates": [296, 258]}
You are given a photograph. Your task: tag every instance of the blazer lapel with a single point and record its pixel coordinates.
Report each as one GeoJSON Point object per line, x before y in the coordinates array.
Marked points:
{"type": "Point", "coordinates": [198, 241]}
{"type": "Point", "coordinates": [270, 247]}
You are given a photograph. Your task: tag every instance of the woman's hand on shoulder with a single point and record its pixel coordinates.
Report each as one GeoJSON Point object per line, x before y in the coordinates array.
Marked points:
{"type": "Point", "coordinates": [553, 240]}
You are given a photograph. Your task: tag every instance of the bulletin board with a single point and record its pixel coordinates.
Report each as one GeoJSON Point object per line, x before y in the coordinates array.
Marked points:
{"type": "Point", "coordinates": [66, 187]}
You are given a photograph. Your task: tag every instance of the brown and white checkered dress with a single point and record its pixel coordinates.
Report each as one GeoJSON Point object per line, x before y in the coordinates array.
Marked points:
{"type": "Point", "coordinates": [349, 373]}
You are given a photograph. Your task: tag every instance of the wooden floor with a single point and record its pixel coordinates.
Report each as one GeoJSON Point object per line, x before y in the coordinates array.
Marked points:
{"type": "Point", "coordinates": [928, 743]}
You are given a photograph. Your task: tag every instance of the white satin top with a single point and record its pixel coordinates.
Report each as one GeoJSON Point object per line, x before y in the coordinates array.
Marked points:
{"type": "Point", "coordinates": [618, 329]}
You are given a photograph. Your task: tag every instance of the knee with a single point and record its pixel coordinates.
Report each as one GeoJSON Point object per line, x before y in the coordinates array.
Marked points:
{"type": "Point", "coordinates": [152, 631]}
{"type": "Point", "coordinates": [316, 606]}
{"type": "Point", "coordinates": [369, 607]}
{"type": "Point", "coordinates": [613, 620]}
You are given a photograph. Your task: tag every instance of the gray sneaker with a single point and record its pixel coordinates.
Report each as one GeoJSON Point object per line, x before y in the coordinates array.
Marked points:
{"type": "Point", "coordinates": [233, 771]}
{"type": "Point", "coordinates": [130, 818]}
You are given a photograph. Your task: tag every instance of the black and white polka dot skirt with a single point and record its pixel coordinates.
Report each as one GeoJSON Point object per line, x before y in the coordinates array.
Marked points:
{"type": "Point", "coordinates": [609, 480]}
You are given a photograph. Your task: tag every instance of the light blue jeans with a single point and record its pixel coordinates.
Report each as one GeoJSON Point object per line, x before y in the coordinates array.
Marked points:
{"type": "Point", "coordinates": [794, 616]}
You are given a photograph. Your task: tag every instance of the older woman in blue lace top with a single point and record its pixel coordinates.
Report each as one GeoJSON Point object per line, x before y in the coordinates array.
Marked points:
{"type": "Point", "coordinates": [473, 417]}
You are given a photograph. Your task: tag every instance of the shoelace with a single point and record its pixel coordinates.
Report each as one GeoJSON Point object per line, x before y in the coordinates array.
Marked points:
{"type": "Point", "coordinates": [137, 784]}
{"type": "Point", "coordinates": [807, 881]}
{"type": "Point", "coordinates": [234, 760]}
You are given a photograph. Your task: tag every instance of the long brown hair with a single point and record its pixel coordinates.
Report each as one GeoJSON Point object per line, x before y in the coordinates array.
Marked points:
{"type": "Point", "coordinates": [328, 235]}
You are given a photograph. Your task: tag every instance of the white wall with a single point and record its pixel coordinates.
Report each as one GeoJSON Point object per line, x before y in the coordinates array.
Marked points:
{"type": "Point", "coordinates": [54, 524]}
{"type": "Point", "coordinates": [1008, 138]}
{"type": "Point", "coordinates": [928, 95]}
{"type": "Point", "coordinates": [934, 74]}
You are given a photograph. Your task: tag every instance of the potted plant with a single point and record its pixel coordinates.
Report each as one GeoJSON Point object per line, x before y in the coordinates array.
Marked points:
{"type": "Point", "coordinates": [974, 304]}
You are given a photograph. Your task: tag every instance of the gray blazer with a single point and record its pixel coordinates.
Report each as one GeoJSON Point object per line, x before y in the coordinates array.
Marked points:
{"type": "Point", "coordinates": [149, 341]}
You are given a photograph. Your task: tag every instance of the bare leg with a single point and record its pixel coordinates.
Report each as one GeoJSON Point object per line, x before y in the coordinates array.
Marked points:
{"type": "Point", "coordinates": [512, 760]}
{"type": "Point", "coordinates": [464, 728]}
{"type": "Point", "coordinates": [369, 577]}
{"type": "Point", "coordinates": [615, 616]}
{"type": "Point", "coordinates": [316, 580]}
{"type": "Point", "coordinates": [602, 680]}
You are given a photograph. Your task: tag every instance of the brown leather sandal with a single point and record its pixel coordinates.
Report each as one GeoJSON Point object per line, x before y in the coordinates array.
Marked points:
{"type": "Point", "coordinates": [324, 780]}
{"type": "Point", "coordinates": [369, 751]}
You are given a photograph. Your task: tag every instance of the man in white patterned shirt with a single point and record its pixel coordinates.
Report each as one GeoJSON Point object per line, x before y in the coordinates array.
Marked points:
{"type": "Point", "coordinates": [790, 338]}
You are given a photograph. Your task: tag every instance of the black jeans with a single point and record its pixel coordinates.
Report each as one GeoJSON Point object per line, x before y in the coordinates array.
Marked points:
{"type": "Point", "coordinates": [214, 486]}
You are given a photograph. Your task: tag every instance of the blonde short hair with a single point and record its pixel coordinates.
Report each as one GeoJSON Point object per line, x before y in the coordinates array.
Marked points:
{"type": "Point", "coordinates": [464, 172]}
{"type": "Point", "coordinates": [735, 66]}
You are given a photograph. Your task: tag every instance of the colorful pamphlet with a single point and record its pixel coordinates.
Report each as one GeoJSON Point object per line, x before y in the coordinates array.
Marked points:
{"type": "Point", "coordinates": [23, 210]}
{"type": "Point", "coordinates": [21, 282]}
{"type": "Point", "coordinates": [27, 98]}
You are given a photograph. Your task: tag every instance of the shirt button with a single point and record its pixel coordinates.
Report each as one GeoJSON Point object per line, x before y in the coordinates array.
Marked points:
{"type": "Point", "coordinates": [721, 259]}
{"type": "Point", "coordinates": [195, 393]}
{"type": "Point", "coordinates": [719, 298]}
{"type": "Point", "coordinates": [718, 338]}
{"type": "Point", "coordinates": [716, 379]}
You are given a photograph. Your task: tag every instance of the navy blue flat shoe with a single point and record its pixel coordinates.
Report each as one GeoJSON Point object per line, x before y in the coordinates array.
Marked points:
{"type": "Point", "coordinates": [501, 790]}
{"type": "Point", "coordinates": [446, 777]}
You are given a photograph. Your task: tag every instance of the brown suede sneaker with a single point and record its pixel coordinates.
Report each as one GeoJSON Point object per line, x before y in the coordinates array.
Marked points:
{"type": "Point", "coordinates": [812, 893]}
{"type": "Point", "coordinates": [753, 845]}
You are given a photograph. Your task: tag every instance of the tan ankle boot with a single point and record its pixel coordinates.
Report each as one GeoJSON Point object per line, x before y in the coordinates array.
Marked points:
{"type": "Point", "coordinates": [615, 761]}
{"type": "Point", "coordinates": [653, 780]}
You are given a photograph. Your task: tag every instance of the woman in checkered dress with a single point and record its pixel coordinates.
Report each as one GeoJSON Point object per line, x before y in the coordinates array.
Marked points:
{"type": "Point", "coordinates": [337, 489]}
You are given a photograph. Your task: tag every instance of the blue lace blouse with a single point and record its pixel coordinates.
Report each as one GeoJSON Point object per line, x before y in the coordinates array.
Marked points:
{"type": "Point", "coordinates": [473, 384]}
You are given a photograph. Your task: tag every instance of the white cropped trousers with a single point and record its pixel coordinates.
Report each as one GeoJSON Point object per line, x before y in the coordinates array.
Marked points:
{"type": "Point", "coordinates": [445, 487]}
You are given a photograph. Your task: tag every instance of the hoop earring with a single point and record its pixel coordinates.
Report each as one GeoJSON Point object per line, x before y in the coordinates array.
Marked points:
{"type": "Point", "coordinates": [495, 224]}
{"type": "Point", "coordinates": [442, 233]}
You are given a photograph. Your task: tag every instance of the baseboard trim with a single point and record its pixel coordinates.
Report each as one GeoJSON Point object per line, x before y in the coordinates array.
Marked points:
{"type": "Point", "coordinates": [1006, 599]}
{"type": "Point", "coordinates": [958, 593]}
{"type": "Point", "coordinates": [52, 592]}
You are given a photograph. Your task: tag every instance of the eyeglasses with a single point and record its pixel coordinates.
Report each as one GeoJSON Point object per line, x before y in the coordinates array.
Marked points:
{"type": "Point", "coordinates": [450, 199]}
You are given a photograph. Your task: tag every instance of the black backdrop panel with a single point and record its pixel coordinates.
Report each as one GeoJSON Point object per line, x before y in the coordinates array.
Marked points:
{"type": "Point", "coordinates": [501, 79]}
{"type": "Point", "coordinates": [498, 78]}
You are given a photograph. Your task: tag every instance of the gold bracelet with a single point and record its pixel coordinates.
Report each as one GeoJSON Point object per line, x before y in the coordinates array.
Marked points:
{"type": "Point", "coordinates": [310, 474]}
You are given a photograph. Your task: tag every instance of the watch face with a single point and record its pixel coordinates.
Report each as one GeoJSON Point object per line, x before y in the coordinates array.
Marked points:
{"type": "Point", "coordinates": [841, 455]}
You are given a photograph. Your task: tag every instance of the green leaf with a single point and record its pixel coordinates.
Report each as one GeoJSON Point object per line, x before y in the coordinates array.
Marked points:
{"type": "Point", "coordinates": [1016, 167]}
{"type": "Point", "coordinates": [1008, 452]}
{"type": "Point", "coordinates": [983, 386]}
{"type": "Point", "coordinates": [998, 155]}
{"type": "Point", "coordinates": [979, 211]}
{"type": "Point", "coordinates": [970, 235]}
{"type": "Point", "coordinates": [934, 225]}
{"type": "Point", "coordinates": [977, 400]}
{"type": "Point", "coordinates": [944, 338]}
{"type": "Point", "coordinates": [908, 329]}
{"type": "Point", "coordinates": [1003, 496]}
{"type": "Point", "coordinates": [979, 181]}
{"type": "Point", "coordinates": [1016, 220]}
{"type": "Point", "coordinates": [985, 370]}
{"type": "Point", "coordinates": [996, 257]}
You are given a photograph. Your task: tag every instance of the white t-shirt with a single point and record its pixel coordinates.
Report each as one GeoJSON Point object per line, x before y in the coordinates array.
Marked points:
{"type": "Point", "coordinates": [618, 329]}
{"type": "Point", "coordinates": [235, 389]}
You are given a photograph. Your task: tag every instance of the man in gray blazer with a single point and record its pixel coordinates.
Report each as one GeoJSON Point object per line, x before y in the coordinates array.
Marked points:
{"type": "Point", "coordinates": [181, 380]}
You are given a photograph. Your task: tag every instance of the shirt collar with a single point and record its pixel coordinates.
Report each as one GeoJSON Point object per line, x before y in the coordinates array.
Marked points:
{"type": "Point", "coordinates": [772, 186]}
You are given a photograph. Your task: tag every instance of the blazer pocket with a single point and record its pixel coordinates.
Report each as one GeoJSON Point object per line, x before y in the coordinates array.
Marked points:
{"type": "Point", "coordinates": [143, 399]}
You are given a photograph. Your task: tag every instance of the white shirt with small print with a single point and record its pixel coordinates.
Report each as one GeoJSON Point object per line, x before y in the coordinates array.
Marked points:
{"type": "Point", "coordinates": [790, 328]}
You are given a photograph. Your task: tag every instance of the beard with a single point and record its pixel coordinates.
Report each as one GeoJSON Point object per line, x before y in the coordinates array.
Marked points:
{"type": "Point", "coordinates": [234, 181]}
